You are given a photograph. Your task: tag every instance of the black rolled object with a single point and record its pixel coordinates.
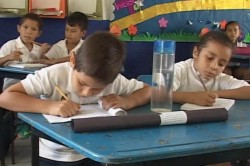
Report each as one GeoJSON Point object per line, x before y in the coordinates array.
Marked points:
{"type": "Point", "coordinates": [115, 122]}
{"type": "Point", "coordinates": [207, 115]}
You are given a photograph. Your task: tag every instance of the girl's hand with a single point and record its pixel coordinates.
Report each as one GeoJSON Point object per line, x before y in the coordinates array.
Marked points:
{"type": "Point", "coordinates": [204, 98]}
{"type": "Point", "coordinates": [15, 55]}
{"type": "Point", "coordinates": [64, 108]}
{"type": "Point", "coordinates": [114, 101]}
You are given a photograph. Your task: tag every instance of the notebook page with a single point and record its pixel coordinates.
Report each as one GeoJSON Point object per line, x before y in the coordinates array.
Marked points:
{"type": "Point", "coordinates": [86, 111]}
{"type": "Point", "coordinates": [219, 103]}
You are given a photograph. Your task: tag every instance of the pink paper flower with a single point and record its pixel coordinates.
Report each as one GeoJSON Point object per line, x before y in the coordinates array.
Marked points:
{"type": "Point", "coordinates": [163, 23]}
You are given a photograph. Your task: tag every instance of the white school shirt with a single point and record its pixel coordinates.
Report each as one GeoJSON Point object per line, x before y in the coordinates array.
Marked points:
{"type": "Point", "coordinates": [187, 80]}
{"type": "Point", "coordinates": [43, 83]}
{"type": "Point", "coordinates": [17, 44]}
{"type": "Point", "coordinates": [59, 50]}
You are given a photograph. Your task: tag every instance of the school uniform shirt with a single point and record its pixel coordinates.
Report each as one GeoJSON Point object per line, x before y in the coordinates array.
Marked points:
{"type": "Point", "coordinates": [59, 50]}
{"type": "Point", "coordinates": [27, 56]}
{"type": "Point", "coordinates": [43, 83]}
{"type": "Point", "coordinates": [17, 44]}
{"type": "Point", "coordinates": [186, 79]}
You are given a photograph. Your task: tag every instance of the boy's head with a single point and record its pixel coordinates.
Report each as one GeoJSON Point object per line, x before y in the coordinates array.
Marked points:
{"type": "Point", "coordinates": [76, 27]}
{"type": "Point", "coordinates": [212, 54]}
{"type": "Point", "coordinates": [30, 27]}
{"type": "Point", "coordinates": [97, 63]}
{"type": "Point", "coordinates": [232, 30]}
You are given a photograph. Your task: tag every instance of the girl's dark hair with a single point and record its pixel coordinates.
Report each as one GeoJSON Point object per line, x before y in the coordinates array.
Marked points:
{"type": "Point", "coordinates": [231, 23]}
{"type": "Point", "coordinates": [101, 56]}
{"type": "Point", "coordinates": [34, 17]}
{"type": "Point", "coordinates": [78, 18]}
{"type": "Point", "coordinates": [216, 36]}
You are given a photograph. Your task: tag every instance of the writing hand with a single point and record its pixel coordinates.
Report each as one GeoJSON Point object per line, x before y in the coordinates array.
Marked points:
{"type": "Point", "coordinates": [64, 108]}
{"type": "Point", "coordinates": [204, 98]}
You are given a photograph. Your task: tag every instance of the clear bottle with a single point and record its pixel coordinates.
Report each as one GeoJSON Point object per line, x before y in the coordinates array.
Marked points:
{"type": "Point", "coordinates": [162, 80]}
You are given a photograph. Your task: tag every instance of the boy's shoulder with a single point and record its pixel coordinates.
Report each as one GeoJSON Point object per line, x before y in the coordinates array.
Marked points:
{"type": "Point", "coordinates": [59, 70]}
{"type": "Point", "coordinates": [11, 42]}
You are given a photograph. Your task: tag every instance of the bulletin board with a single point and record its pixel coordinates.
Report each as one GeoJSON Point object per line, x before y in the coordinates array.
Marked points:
{"type": "Point", "coordinates": [180, 20]}
{"type": "Point", "coordinates": [13, 7]}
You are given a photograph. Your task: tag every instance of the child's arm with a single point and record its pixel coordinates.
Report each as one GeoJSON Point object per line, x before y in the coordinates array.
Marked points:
{"type": "Point", "coordinates": [137, 98]}
{"type": "Point", "coordinates": [199, 98]}
{"type": "Point", "coordinates": [54, 60]}
{"type": "Point", "coordinates": [15, 55]}
{"type": "Point", "coordinates": [16, 99]}
{"type": "Point", "coordinates": [238, 93]}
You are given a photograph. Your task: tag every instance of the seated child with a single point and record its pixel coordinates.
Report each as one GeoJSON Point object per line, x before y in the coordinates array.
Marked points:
{"type": "Point", "coordinates": [91, 74]}
{"type": "Point", "coordinates": [23, 48]}
{"type": "Point", "coordinates": [200, 80]}
{"type": "Point", "coordinates": [75, 30]}
{"type": "Point", "coordinates": [232, 30]}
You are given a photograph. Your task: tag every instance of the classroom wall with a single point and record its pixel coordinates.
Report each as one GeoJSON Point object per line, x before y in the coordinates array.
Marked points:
{"type": "Point", "coordinates": [138, 57]}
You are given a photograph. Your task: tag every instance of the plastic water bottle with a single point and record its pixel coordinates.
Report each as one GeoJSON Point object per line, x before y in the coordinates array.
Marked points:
{"type": "Point", "coordinates": [163, 70]}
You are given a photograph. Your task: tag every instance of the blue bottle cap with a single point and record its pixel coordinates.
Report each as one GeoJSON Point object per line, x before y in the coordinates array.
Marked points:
{"type": "Point", "coordinates": [164, 46]}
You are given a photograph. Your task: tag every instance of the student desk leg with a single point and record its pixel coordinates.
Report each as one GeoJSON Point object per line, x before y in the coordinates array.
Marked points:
{"type": "Point", "coordinates": [35, 147]}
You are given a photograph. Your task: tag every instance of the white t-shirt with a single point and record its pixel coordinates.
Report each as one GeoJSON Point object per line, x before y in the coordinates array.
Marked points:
{"type": "Point", "coordinates": [187, 80]}
{"type": "Point", "coordinates": [43, 83]}
{"type": "Point", "coordinates": [59, 50]}
{"type": "Point", "coordinates": [17, 44]}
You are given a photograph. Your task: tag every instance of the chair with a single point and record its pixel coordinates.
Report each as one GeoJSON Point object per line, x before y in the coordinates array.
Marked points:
{"type": "Point", "coordinates": [145, 78]}
{"type": "Point", "coordinates": [7, 135]}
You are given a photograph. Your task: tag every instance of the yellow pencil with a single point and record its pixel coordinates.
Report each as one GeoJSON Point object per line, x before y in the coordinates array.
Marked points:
{"type": "Point", "coordinates": [60, 91]}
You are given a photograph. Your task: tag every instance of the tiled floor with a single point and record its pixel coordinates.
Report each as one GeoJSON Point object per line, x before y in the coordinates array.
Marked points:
{"type": "Point", "coordinates": [22, 153]}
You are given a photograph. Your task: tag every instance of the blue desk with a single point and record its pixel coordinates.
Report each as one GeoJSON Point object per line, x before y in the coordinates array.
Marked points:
{"type": "Point", "coordinates": [195, 144]}
{"type": "Point", "coordinates": [18, 73]}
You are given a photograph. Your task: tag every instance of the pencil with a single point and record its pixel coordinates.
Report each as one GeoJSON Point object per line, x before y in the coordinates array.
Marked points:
{"type": "Point", "coordinates": [60, 91]}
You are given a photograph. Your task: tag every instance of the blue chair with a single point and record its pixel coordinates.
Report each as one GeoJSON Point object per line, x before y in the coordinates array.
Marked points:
{"type": "Point", "coordinates": [145, 78]}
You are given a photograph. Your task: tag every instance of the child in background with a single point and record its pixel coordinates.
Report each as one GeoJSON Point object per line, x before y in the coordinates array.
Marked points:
{"type": "Point", "coordinates": [232, 29]}
{"type": "Point", "coordinates": [23, 48]}
{"type": "Point", "coordinates": [91, 75]}
{"type": "Point", "coordinates": [200, 80]}
{"type": "Point", "coordinates": [75, 30]}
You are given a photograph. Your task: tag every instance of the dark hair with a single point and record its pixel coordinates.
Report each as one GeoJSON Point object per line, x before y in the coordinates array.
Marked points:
{"type": "Point", "coordinates": [217, 36]}
{"type": "Point", "coordinates": [34, 17]}
{"type": "Point", "coordinates": [101, 56]}
{"type": "Point", "coordinates": [231, 23]}
{"type": "Point", "coordinates": [78, 18]}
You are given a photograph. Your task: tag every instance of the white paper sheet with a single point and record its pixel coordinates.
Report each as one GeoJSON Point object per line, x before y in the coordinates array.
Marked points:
{"type": "Point", "coordinates": [27, 65]}
{"type": "Point", "coordinates": [219, 103]}
{"type": "Point", "coordinates": [87, 111]}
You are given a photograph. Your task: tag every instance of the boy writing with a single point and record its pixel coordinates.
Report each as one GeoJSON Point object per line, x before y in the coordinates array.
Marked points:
{"type": "Point", "coordinates": [200, 80]}
{"type": "Point", "coordinates": [23, 48]}
{"type": "Point", "coordinates": [75, 30]}
{"type": "Point", "coordinates": [92, 74]}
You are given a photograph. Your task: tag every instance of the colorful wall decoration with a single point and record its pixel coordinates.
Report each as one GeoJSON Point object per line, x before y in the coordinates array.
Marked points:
{"type": "Point", "coordinates": [180, 20]}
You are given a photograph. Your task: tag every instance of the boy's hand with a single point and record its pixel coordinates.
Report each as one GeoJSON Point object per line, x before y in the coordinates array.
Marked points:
{"type": "Point", "coordinates": [114, 101]}
{"type": "Point", "coordinates": [44, 48]}
{"type": "Point", "coordinates": [15, 55]}
{"type": "Point", "coordinates": [204, 98]}
{"type": "Point", "coordinates": [64, 108]}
